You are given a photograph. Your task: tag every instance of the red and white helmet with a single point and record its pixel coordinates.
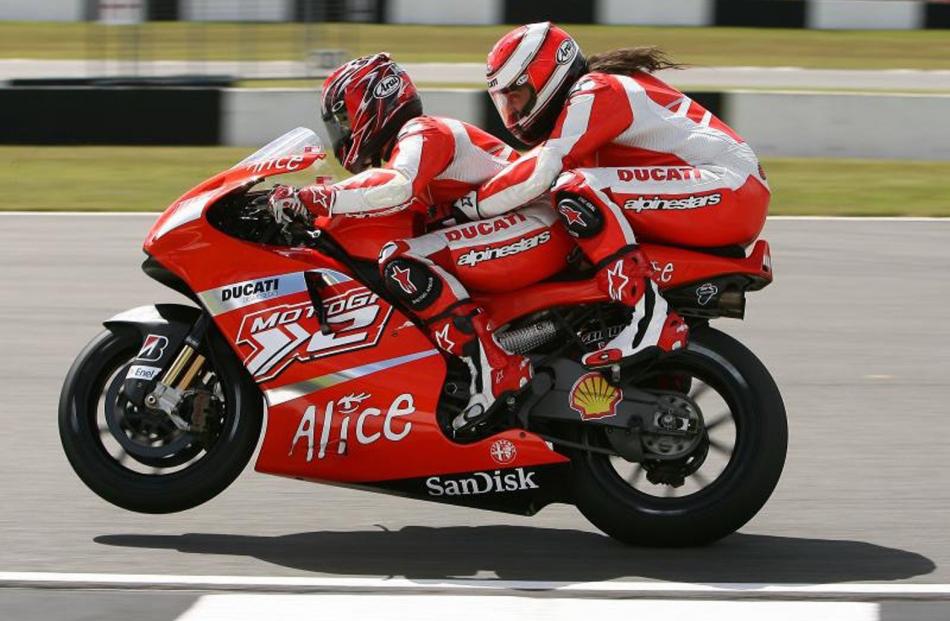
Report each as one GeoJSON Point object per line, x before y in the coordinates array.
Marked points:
{"type": "Point", "coordinates": [530, 70]}
{"type": "Point", "coordinates": [364, 105]}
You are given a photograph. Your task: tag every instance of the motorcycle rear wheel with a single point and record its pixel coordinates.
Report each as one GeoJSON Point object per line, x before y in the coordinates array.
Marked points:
{"type": "Point", "coordinates": [204, 474]}
{"type": "Point", "coordinates": [737, 493]}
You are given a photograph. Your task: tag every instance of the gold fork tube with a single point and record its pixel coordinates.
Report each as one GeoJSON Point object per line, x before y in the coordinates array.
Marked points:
{"type": "Point", "coordinates": [192, 371]}
{"type": "Point", "coordinates": [173, 372]}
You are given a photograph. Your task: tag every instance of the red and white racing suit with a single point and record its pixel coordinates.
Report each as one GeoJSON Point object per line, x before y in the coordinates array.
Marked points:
{"type": "Point", "coordinates": [632, 159]}
{"type": "Point", "coordinates": [436, 161]}
{"type": "Point", "coordinates": [654, 157]}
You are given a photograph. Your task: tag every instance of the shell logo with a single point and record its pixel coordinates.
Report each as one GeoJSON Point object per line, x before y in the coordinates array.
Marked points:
{"type": "Point", "coordinates": [594, 397]}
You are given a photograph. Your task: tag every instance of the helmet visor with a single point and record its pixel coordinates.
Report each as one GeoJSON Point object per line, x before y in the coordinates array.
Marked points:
{"type": "Point", "coordinates": [514, 103]}
{"type": "Point", "coordinates": [338, 129]}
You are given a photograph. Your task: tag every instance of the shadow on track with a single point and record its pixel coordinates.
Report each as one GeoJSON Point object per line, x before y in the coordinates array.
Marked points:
{"type": "Point", "coordinates": [523, 553]}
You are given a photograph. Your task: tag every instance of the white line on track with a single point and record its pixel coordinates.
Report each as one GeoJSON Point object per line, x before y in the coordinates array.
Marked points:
{"type": "Point", "coordinates": [155, 214]}
{"type": "Point", "coordinates": [503, 608]}
{"type": "Point", "coordinates": [303, 584]}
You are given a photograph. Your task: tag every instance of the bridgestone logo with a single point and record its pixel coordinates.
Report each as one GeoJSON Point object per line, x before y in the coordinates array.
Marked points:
{"type": "Point", "coordinates": [656, 203]}
{"type": "Point", "coordinates": [474, 257]}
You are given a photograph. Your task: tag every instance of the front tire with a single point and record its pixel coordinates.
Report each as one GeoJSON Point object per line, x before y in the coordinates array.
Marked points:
{"type": "Point", "coordinates": [201, 473]}
{"type": "Point", "coordinates": [737, 493]}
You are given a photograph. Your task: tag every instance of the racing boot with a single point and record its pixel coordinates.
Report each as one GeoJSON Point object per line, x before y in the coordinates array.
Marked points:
{"type": "Point", "coordinates": [654, 328]}
{"type": "Point", "coordinates": [466, 332]}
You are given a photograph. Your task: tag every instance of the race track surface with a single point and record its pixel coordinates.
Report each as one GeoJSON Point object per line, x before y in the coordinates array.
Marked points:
{"type": "Point", "coordinates": [854, 330]}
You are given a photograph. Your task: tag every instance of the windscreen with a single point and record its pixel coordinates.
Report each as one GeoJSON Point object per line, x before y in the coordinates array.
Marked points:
{"type": "Point", "coordinates": [294, 142]}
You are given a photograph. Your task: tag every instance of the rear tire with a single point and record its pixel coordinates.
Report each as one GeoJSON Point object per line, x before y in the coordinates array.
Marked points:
{"type": "Point", "coordinates": [105, 475]}
{"type": "Point", "coordinates": [728, 502]}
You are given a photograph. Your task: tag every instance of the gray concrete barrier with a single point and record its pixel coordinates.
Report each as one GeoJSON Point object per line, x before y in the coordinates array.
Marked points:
{"type": "Point", "coordinates": [795, 124]}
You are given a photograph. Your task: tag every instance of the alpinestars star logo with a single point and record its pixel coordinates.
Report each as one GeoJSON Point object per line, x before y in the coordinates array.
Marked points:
{"type": "Point", "coordinates": [616, 281]}
{"type": "Point", "coordinates": [442, 338]}
{"type": "Point", "coordinates": [401, 276]}
{"type": "Point", "coordinates": [571, 215]}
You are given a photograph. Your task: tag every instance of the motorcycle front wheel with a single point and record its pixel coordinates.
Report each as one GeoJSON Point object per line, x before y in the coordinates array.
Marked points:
{"type": "Point", "coordinates": [140, 460]}
{"type": "Point", "coordinates": [726, 479]}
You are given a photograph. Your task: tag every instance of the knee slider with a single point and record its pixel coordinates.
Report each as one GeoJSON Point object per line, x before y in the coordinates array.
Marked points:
{"type": "Point", "coordinates": [581, 216]}
{"type": "Point", "coordinates": [412, 281]}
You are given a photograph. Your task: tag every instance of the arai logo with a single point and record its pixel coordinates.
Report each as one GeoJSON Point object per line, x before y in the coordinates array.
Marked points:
{"type": "Point", "coordinates": [566, 52]}
{"type": "Point", "coordinates": [387, 86]}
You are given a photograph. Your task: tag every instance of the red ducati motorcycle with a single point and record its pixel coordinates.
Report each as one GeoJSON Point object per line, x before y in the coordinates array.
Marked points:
{"type": "Point", "coordinates": [162, 410]}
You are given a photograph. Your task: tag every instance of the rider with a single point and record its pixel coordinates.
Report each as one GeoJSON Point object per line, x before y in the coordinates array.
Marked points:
{"type": "Point", "coordinates": [373, 114]}
{"type": "Point", "coordinates": [620, 151]}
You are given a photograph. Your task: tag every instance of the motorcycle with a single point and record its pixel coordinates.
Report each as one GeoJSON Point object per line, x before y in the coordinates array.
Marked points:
{"type": "Point", "coordinates": [163, 409]}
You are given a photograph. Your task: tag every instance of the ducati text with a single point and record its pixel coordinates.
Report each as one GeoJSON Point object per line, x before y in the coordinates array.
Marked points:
{"type": "Point", "coordinates": [658, 174]}
{"type": "Point", "coordinates": [260, 289]}
{"type": "Point", "coordinates": [482, 228]}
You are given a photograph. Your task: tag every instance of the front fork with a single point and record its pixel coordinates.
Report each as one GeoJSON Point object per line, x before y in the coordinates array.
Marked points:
{"type": "Point", "coordinates": [169, 390]}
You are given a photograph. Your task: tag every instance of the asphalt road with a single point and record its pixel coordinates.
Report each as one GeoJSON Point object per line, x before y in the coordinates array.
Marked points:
{"type": "Point", "coordinates": [854, 330]}
{"type": "Point", "coordinates": [474, 73]}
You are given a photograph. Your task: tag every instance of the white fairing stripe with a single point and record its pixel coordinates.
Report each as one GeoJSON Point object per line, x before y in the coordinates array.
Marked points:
{"type": "Point", "coordinates": [515, 65]}
{"type": "Point", "coordinates": [245, 293]}
{"type": "Point", "coordinates": [393, 193]}
{"type": "Point", "coordinates": [186, 211]}
{"type": "Point", "coordinates": [550, 162]}
{"type": "Point", "coordinates": [289, 392]}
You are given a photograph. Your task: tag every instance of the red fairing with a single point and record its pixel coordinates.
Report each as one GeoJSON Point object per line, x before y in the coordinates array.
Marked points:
{"type": "Point", "coordinates": [346, 406]}
{"type": "Point", "coordinates": [672, 267]}
{"type": "Point", "coordinates": [350, 406]}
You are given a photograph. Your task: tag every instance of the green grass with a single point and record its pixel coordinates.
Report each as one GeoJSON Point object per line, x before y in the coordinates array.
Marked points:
{"type": "Point", "coordinates": [113, 178]}
{"type": "Point", "coordinates": [851, 187]}
{"type": "Point", "coordinates": [136, 179]}
{"type": "Point", "coordinates": [700, 46]}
